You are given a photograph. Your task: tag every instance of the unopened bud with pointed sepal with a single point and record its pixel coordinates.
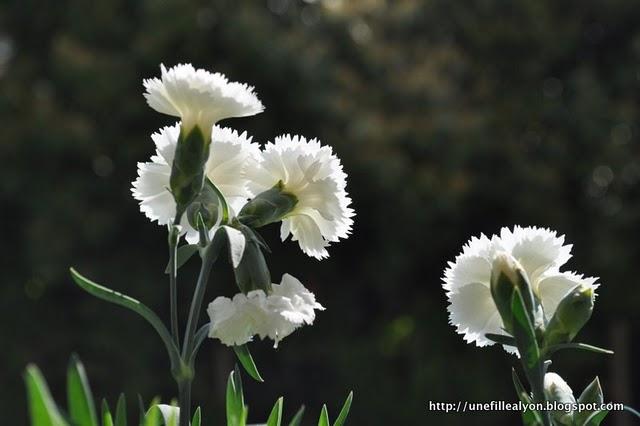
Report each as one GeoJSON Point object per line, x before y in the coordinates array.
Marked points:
{"type": "Point", "coordinates": [558, 391]}
{"type": "Point", "coordinates": [252, 273]}
{"type": "Point", "coordinates": [573, 312]}
{"type": "Point", "coordinates": [187, 171]}
{"type": "Point", "coordinates": [268, 207]}
{"type": "Point", "coordinates": [507, 275]}
{"type": "Point", "coordinates": [207, 205]}
{"type": "Point", "coordinates": [591, 395]}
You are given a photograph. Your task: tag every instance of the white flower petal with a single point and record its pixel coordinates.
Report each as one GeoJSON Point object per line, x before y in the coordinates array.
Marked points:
{"type": "Point", "coordinates": [537, 249]}
{"type": "Point", "coordinates": [199, 97]}
{"type": "Point", "coordinates": [474, 314]}
{"type": "Point", "coordinates": [232, 321]}
{"type": "Point", "coordinates": [230, 155]}
{"type": "Point", "coordinates": [289, 306]}
{"type": "Point", "coordinates": [169, 413]}
{"type": "Point", "coordinates": [237, 243]}
{"type": "Point", "coordinates": [314, 174]}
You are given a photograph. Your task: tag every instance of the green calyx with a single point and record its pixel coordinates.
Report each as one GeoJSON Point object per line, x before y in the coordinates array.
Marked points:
{"type": "Point", "coordinates": [187, 171]}
{"type": "Point", "coordinates": [252, 272]}
{"type": "Point", "coordinates": [268, 207]}
{"type": "Point", "coordinates": [507, 276]}
{"type": "Point", "coordinates": [573, 312]}
{"type": "Point", "coordinates": [206, 205]}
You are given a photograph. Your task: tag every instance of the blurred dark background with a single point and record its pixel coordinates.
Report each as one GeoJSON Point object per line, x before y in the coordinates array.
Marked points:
{"type": "Point", "coordinates": [451, 119]}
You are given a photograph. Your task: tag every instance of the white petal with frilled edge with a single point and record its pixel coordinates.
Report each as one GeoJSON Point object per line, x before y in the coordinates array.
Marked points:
{"type": "Point", "coordinates": [229, 156]}
{"type": "Point", "coordinates": [199, 97]}
{"type": "Point", "coordinates": [474, 314]}
{"type": "Point", "coordinates": [467, 279]}
{"type": "Point", "coordinates": [537, 249]}
{"type": "Point", "coordinates": [289, 306]}
{"type": "Point", "coordinates": [233, 321]}
{"type": "Point", "coordinates": [314, 174]}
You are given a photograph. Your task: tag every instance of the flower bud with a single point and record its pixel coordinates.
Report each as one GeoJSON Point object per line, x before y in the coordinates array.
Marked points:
{"type": "Point", "coordinates": [207, 205]}
{"type": "Point", "coordinates": [268, 207]}
{"type": "Point", "coordinates": [506, 276]}
{"type": "Point", "coordinates": [252, 273]}
{"type": "Point", "coordinates": [573, 312]}
{"type": "Point", "coordinates": [558, 391]}
{"type": "Point", "coordinates": [187, 171]}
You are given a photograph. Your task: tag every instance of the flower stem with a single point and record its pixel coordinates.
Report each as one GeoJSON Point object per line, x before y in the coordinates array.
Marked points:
{"type": "Point", "coordinates": [211, 253]}
{"type": "Point", "coordinates": [536, 380]}
{"type": "Point", "coordinates": [184, 401]}
{"type": "Point", "coordinates": [184, 380]}
{"type": "Point", "coordinates": [174, 234]}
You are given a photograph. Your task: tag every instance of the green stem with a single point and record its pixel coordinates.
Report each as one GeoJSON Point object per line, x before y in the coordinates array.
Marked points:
{"type": "Point", "coordinates": [184, 383]}
{"type": "Point", "coordinates": [536, 380]}
{"type": "Point", "coordinates": [211, 253]}
{"type": "Point", "coordinates": [173, 279]}
{"type": "Point", "coordinates": [184, 402]}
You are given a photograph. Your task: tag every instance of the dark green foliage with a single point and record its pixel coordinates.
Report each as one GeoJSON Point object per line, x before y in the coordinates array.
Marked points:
{"type": "Point", "coordinates": [451, 118]}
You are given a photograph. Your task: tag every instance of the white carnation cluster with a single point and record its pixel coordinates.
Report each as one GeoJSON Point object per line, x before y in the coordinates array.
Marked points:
{"type": "Point", "coordinates": [240, 171]}
{"type": "Point", "coordinates": [540, 252]}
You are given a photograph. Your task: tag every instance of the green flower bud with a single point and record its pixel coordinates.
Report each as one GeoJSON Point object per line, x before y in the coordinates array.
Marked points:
{"type": "Point", "coordinates": [572, 314]}
{"type": "Point", "coordinates": [252, 273]}
{"type": "Point", "coordinates": [506, 275]}
{"type": "Point", "coordinates": [206, 204]}
{"type": "Point", "coordinates": [268, 207]}
{"type": "Point", "coordinates": [187, 171]}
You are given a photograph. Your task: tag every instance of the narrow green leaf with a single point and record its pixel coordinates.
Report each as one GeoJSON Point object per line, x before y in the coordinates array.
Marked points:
{"type": "Point", "coordinates": [297, 419]}
{"type": "Point", "coordinates": [42, 408]}
{"type": "Point", "coordinates": [245, 358]}
{"type": "Point", "coordinates": [141, 409]}
{"type": "Point", "coordinates": [199, 338]}
{"type": "Point", "coordinates": [592, 394]}
{"type": "Point", "coordinates": [121, 411]}
{"type": "Point", "coordinates": [502, 339]}
{"type": "Point", "coordinates": [107, 419]}
{"type": "Point", "coordinates": [236, 411]}
{"type": "Point", "coordinates": [275, 418]}
{"type": "Point", "coordinates": [632, 411]}
{"type": "Point", "coordinates": [153, 415]}
{"type": "Point", "coordinates": [344, 412]}
{"type": "Point", "coordinates": [595, 418]}
{"type": "Point", "coordinates": [183, 254]}
{"type": "Point", "coordinates": [324, 417]}
{"type": "Point", "coordinates": [582, 346]}
{"type": "Point", "coordinates": [529, 417]}
{"type": "Point", "coordinates": [523, 395]}
{"type": "Point", "coordinates": [196, 420]}
{"type": "Point", "coordinates": [82, 410]}
{"type": "Point", "coordinates": [524, 332]}
{"type": "Point", "coordinates": [117, 298]}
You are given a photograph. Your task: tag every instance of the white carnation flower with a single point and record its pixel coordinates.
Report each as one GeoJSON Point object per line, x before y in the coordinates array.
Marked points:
{"type": "Point", "coordinates": [313, 174]}
{"type": "Point", "coordinates": [234, 321]}
{"type": "Point", "coordinates": [539, 251]}
{"type": "Point", "coordinates": [230, 155]}
{"type": "Point", "coordinates": [289, 306]}
{"type": "Point", "coordinates": [199, 97]}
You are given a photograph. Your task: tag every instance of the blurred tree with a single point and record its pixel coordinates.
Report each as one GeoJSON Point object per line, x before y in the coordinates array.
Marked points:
{"type": "Point", "coordinates": [452, 118]}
